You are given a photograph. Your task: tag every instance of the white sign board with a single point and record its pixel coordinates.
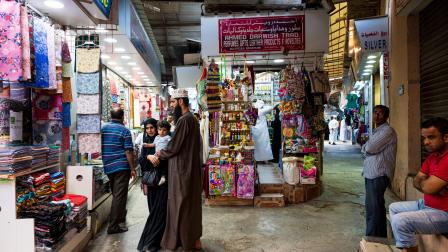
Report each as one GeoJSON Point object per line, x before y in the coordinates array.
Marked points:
{"type": "Point", "coordinates": [373, 34]}
{"type": "Point", "coordinates": [316, 28]}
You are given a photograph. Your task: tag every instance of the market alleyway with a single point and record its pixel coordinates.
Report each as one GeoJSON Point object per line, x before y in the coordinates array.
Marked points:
{"type": "Point", "coordinates": [333, 222]}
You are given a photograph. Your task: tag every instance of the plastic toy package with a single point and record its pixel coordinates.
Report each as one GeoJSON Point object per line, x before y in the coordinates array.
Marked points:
{"type": "Point", "coordinates": [216, 183]}
{"type": "Point", "coordinates": [246, 182]}
{"type": "Point", "coordinates": [228, 178]}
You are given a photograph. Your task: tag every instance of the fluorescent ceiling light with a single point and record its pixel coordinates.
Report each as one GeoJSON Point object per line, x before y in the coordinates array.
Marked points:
{"type": "Point", "coordinates": [126, 57]}
{"type": "Point", "coordinates": [119, 49]}
{"type": "Point", "coordinates": [218, 62]}
{"type": "Point", "coordinates": [141, 72]}
{"type": "Point", "coordinates": [110, 40]}
{"type": "Point", "coordinates": [105, 56]}
{"type": "Point", "coordinates": [370, 61]}
{"type": "Point", "coordinates": [145, 76]}
{"type": "Point", "coordinates": [250, 62]}
{"type": "Point", "coordinates": [119, 68]}
{"type": "Point", "coordinates": [132, 63]}
{"type": "Point", "coordinates": [372, 57]}
{"type": "Point", "coordinates": [279, 60]}
{"type": "Point", "coordinates": [136, 68]}
{"type": "Point", "coordinates": [365, 74]}
{"type": "Point", "coordinates": [368, 70]}
{"type": "Point", "coordinates": [124, 73]}
{"type": "Point", "coordinates": [369, 66]}
{"type": "Point", "coordinates": [54, 4]}
{"type": "Point", "coordinates": [111, 63]}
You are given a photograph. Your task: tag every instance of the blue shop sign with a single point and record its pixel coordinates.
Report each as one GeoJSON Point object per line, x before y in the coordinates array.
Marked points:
{"type": "Point", "coordinates": [105, 6]}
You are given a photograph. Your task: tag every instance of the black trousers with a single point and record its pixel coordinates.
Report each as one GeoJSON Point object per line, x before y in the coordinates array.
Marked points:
{"type": "Point", "coordinates": [376, 221]}
{"type": "Point", "coordinates": [119, 182]}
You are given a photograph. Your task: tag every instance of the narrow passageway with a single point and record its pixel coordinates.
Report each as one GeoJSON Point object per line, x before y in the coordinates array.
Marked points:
{"type": "Point", "coordinates": [332, 222]}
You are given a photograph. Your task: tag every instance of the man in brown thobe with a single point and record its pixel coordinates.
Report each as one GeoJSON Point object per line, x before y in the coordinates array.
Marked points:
{"type": "Point", "coordinates": [184, 217]}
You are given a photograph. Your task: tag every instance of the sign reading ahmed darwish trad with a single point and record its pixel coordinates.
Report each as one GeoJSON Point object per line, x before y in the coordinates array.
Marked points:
{"type": "Point", "coordinates": [262, 34]}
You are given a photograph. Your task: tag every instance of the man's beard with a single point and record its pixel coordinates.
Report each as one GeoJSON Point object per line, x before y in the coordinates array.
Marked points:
{"type": "Point", "coordinates": [177, 113]}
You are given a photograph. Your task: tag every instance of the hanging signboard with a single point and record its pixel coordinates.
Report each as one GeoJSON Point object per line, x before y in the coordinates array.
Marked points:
{"type": "Point", "coordinates": [105, 6]}
{"type": "Point", "coordinates": [262, 34]}
{"type": "Point", "coordinates": [373, 34]}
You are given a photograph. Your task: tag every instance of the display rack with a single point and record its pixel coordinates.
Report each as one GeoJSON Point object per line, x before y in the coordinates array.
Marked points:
{"type": "Point", "coordinates": [18, 234]}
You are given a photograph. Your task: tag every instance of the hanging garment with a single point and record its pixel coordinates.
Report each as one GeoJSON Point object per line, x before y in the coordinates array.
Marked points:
{"type": "Point", "coordinates": [67, 90]}
{"type": "Point", "coordinates": [10, 44]}
{"type": "Point", "coordinates": [67, 70]}
{"type": "Point", "coordinates": [26, 49]}
{"type": "Point", "coordinates": [88, 83]}
{"type": "Point", "coordinates": [88, 104]}
{"type": "Point", "coordinates": [66, 117]}
{"type": "Point", "coordinates": [32, 48]}
{"type": "Point", "coordinates": [89, 143]}
{"type": "Point", "coordinates": [88, 124]}
{"type": "Point", "coordinates": [58, 38]}
{"type": "Point", "coordinates": [65, 53]}
{"type": "Point", "coordinates": [260, 135]}
{"type": "Point", "coordinates": [52, 84]}
{"type": "Point", "coordinates": [47, 106]}
{"type": "Point", "coordinates": [65, 139]}
{"type": "Point", "coordinates": [106, 101]}
{"type": "Point", "coordinates": [59, 89]}
{"type": "Point", "coordinates": [41, 54]}
{"type": "Point", "coordinates": [87, 60]}
{"type": "Point", "coordinates": [47, 132]}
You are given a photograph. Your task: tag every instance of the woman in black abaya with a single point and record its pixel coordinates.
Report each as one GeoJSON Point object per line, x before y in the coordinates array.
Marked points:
{"type": "Point", "coordinates": [157, 196]}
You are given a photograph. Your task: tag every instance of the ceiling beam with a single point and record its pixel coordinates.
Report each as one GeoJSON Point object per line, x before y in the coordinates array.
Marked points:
{"type": "Point", "coordinates": [153, 25]}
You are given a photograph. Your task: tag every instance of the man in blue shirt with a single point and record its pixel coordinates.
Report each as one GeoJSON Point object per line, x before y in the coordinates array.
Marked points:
{"type": "Point", "coordinates": [118, 160]}
{"type": "Point", "coordinates": [379, 165]}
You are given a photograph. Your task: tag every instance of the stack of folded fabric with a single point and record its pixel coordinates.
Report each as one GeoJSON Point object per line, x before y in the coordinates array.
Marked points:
{"type": "Point", "coordinates": [53, 155]}
{"type": "Point", "coordinates": [57, 184]}
{"type": "Point", "coordinates": [25, 197]}
{"type": "Point", "coordinates": [39, 153]}
{"type": "Point", "coordinates": [49, 222]}
{"type": "Point", "coordinates": [14, 159]}
{"type": "Point", "coordinates": [69, 214]}
{"type": "Point", "coordinates": [42, 186]}
{"type": "Point", "coordinates": [80, 212]}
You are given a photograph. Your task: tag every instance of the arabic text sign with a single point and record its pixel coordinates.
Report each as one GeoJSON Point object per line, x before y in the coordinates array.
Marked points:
{"type": "Point", "coordinates": [262, 34]}
{"type": "Point", "coordinates": [374, 34]}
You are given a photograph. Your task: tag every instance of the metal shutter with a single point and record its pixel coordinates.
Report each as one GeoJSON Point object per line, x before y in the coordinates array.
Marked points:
{"type": "Point", "coordinates": [434, 60]}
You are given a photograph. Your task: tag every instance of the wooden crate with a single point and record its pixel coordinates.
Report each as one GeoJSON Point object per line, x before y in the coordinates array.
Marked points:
{"type": "Point", "coordinates": [271, 188]}
{"type": "Point", "coordinates": [294, 194]}
{"type": "Point", "coordinates": [228, 201]}
{"type": "Point", "coordinates": [269, 200]}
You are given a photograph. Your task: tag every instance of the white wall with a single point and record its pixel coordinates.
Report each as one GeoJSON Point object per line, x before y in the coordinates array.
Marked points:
{"type": "Point", "coordinates": [316, 30]}
{"type": "Point", "coordinates": [187, 76]}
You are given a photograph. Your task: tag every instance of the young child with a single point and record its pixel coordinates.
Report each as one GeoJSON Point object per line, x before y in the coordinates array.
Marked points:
{"type": "Point", "coordinates": [161, 142]}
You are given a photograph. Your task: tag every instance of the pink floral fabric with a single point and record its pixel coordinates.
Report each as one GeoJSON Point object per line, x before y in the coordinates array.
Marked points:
{"type": "Point", "coordinates": [89, 143]}
{"type": "Point", "coordinates": [88, 104]}
{"type": "Point", "coordinates": [10, 41]}
{"type": "Point", "coordinates": [26, 51]}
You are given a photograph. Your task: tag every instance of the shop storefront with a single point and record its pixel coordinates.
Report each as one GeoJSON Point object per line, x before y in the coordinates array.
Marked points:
{"type": "Point", "coordinates": [368, 46]}
{"type": "Point", "coordinates": [58, 85]}
{"type": "Point", "coordinates": [246, 77]}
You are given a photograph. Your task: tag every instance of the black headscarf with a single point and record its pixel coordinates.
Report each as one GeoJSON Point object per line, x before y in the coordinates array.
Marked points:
{"type": "Point", "coordinates": [144, 163]}
{"type": "Point", "coordinates": [146, 137]}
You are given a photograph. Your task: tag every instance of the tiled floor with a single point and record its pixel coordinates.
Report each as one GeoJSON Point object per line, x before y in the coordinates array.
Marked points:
{"type": "Point", "coordinates": [333, 222]}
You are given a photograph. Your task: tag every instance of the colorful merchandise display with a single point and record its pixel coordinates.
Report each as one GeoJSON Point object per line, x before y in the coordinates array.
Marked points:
{"type": "Point", "coordinates": [230, 166]}
{"type": "Point", "coordinates": [303, 123]}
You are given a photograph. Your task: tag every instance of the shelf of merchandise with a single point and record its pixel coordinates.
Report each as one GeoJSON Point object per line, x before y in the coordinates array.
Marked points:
{"type": "Point", "coordinates": [26, 172]}
{"type": "Point", "coordinates": [16, 234]}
